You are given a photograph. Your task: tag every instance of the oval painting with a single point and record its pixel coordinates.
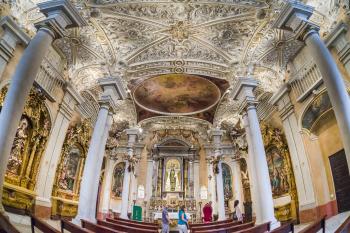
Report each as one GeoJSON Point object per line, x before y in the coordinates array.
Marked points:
{"type": "Point", "coordinates": [177, 94]}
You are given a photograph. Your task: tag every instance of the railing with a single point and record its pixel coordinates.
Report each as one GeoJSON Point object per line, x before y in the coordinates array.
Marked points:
{"type": "Point", "coordinates": [305, 80]}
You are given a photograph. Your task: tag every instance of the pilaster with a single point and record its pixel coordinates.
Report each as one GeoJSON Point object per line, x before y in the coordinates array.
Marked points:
{"type": "Point", "coordinates": [52, 154]}
{"type": "Point", "coordinates": [301, 168]}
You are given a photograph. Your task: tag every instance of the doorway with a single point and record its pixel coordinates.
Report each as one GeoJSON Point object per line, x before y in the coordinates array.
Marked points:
{"type": "Point", "coordinates": [341, 178]}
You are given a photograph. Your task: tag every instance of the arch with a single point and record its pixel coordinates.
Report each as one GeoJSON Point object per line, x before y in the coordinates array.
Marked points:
{"type": "Point", "coordinates": [227, 181]}
{"type": "Point", "coordinates": [317, 108]}
{"type": "Point", "coordinates": [174, 141]}
{"type": "Point", "coordinates": [117, 180]}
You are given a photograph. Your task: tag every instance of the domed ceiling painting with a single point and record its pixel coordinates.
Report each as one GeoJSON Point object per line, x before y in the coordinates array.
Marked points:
{"type": "Point", "coordinates": [178, 95]}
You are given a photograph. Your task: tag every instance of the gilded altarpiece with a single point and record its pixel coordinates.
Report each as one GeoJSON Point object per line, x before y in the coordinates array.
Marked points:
{"type": "Point", "coordinates": [27, 149]}
{"type": "Point", "coordinates": [65, 193]}
{"type": "Point", "coordinates": [117, 182]}
{"type": "Point", "coordinates": [281, 174]}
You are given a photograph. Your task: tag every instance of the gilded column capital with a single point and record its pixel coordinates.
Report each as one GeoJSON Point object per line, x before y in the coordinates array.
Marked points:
{"type": "Point", "coordinates": [295, 18]}
{"type": "Point", "coordinates": [61, 15]}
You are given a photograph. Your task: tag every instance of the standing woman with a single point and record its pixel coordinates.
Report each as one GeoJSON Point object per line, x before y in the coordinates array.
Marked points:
{"type": "Point", "coordinates": [183, 221]}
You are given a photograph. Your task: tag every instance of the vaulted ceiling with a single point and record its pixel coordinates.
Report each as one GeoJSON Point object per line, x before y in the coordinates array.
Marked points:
{"type": "Point", "coordinates": [141, 39]}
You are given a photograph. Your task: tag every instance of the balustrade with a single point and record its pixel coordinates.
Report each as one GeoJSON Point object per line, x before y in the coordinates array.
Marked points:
{"type": "Point", "coordinates": [50, 76]}
{"type": "Point", "coordinates": [305, 80]}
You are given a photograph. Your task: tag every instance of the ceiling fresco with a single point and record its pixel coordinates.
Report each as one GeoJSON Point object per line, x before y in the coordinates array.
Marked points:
{"type": "Point", "coordinates": [178, 95]}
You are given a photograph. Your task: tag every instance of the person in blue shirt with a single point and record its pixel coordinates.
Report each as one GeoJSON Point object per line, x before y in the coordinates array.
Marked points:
{"type": "Point", "coordinates": [165, 220]}
{"type": "Point", "coordinates": [183, 221]}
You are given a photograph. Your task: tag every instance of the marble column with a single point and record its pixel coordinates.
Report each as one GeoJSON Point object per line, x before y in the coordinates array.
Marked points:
{"type": "Point", "coordinates": [107, 186]}
{"type": "Point", "coordinates": [253, 181]}
{"type": "Point", "coordinates": [196, 191]}
{"type": "Point", "coordinates": [132, 136]}
{"type": "Point", "coordinates": [237, 183]}
{"type": "Point", "coordinates": [190, 178]}
{"type": "Point", "coordinates": [244, 93]}
{"type": "Point", "coordinates": [60, 15]}
{"type": "Point", "coordinates": [53, 152]}
{"type": "Point", "coordinates": [92, 168]}
{"type": "Point", "coordinates": [294, 17]}
{"type": "Point", "coordinates": [149, 180]}
{"type": "Point", "coordinates": [101, 154]}
{"type": "Point", "coordinates": [212, 186]}
{"type": "Point", "coordinates": [216, 135]}
{"type": "Point", "coordinates": [12, 36]}
{"type": "Point", "coordinates": [301, 168]}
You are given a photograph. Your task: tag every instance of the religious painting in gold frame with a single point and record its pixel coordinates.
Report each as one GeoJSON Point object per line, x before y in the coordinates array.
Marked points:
{"type": "Point", "coordinates": [281, 174]}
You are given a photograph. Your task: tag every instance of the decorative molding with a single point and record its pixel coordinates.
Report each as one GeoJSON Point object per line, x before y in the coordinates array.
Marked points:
{"type": "Point", "coordinates": [61, 14]}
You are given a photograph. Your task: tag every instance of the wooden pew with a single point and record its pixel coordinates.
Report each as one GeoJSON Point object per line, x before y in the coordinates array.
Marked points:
{"type": "Point", "coordinates": [210, 223]}
{"type": "Point", "coordinates": [41, 225]}
{"type": "Point", "coordinates": [262, 228]}
{"type": "Point", "coordinates": [71, 227]}
{"type": "Point", "coordinates": [316, 226]}
{"type": "Point", "coordinates": [345, 227]}
{"type": "Point", "coordinates": [214, 226]}
{"type": "Point", "coordinates": [124, 227]}
{"type": "Point", "coordinates": [133, 221]}
{"type": "Point", "coordinates": [6, 226]}
{"type": "Point", "coordinates": [228, 228]}
{"type": "Point", "coordinates": [285, 228]}
{"type": "Point", "coordinates": [134, 224]}
{"type": "Point", "coordinates": [97, 228]}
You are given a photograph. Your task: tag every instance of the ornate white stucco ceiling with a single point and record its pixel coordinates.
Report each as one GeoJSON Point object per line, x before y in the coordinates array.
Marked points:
{"type": "Point", "coordinates": [136, 39]}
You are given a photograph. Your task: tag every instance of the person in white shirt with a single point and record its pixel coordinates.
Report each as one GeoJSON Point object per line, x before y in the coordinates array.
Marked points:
{"type": "Point", "coordinates": [238, 213]}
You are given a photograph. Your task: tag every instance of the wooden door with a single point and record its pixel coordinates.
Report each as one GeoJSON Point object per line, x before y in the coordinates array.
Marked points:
{"type": "Point", "coordinates": [341, 179]}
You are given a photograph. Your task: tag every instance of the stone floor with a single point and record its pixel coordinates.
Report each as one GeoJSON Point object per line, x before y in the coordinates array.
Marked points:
{"type": "Point", "coordinates": [331, 224]}
{"type": "Point", "coordinates": [22, 223]}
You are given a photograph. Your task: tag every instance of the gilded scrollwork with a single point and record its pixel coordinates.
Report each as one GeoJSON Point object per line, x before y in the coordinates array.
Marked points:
{"type": "Point", "coordinates": [65, 193]}
{"type": "Point", "coordinates": [27, 150]}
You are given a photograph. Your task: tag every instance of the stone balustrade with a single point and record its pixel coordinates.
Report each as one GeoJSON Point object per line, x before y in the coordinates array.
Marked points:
{"type": "Point", "coordinates": [305, 80]}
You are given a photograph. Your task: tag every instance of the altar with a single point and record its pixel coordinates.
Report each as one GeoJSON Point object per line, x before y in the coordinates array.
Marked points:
{"type": "Point", "coordinates": [172, 215]}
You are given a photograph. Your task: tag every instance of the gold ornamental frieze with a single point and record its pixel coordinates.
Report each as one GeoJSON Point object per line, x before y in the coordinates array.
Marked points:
{"type": "Point", "coordinates": [27, 149]}
{"type": "Point", "coordinates": [65, 193]}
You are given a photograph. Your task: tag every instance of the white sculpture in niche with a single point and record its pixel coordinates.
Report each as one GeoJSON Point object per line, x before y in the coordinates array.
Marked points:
{"type": "Point", "coordinates": [141, 192]}
{"type": "Point", "coordinates": [173, 176]}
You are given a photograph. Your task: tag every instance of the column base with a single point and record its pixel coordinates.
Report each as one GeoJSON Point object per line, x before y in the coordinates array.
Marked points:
{"type": "Point", "coordinates": [42, 211]}
{"type": "Point", "coordinates": [77, 219]}
{"type": "Point", "coordinates": [308, 215]}
{"type": "Point", "coordinates": [274, 225]}
{"type": "Point", "coordinates": [42, 208]}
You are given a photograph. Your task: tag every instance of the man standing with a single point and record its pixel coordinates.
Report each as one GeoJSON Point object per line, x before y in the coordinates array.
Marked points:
{"type": "Point", "coordinates": [165, 220]}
